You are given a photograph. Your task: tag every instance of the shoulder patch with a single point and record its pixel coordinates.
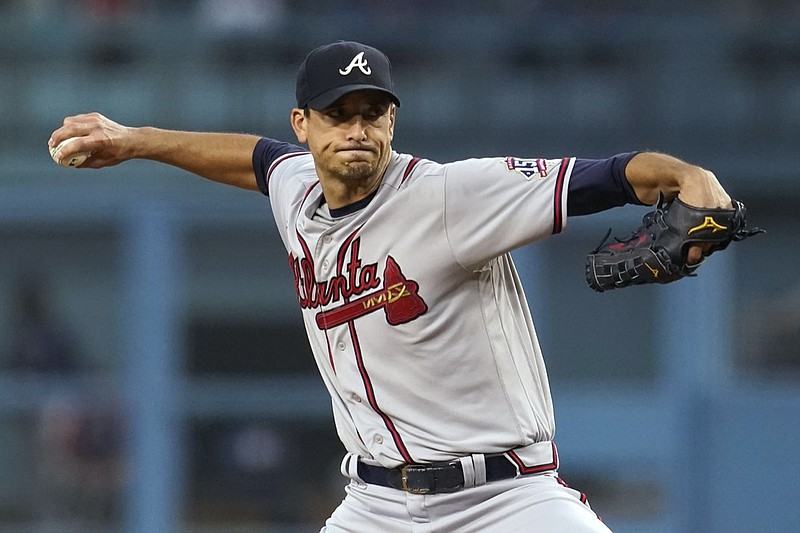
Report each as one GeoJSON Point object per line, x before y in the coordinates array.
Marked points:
{"type": "Point", "coordinates": [530, 168]}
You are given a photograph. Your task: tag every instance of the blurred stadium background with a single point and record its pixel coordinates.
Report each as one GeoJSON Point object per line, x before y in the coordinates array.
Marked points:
{"type": "Point", "coordinates": [154, 374]}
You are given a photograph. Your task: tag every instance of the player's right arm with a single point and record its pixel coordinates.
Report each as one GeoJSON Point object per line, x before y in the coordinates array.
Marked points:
{"type": "Point", "coordinates": [222, 157]}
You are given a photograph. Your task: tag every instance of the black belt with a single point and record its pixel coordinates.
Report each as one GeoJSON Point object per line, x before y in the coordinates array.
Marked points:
{"type": "Point", "coordinates": [435, 477]}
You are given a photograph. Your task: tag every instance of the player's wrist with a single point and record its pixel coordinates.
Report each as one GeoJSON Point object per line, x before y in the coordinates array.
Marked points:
{"type": "Point", "coordinates": [143, 142]}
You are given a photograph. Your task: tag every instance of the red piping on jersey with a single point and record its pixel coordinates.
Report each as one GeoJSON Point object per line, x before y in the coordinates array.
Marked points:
{"type": "Point", "coordinates": [584, 499]}
{"type": "Point", "coordinates": [409, 169]}
{"type": "Point", "coordinates": [401, 447]}
{"type": "Point", "coordinates": [398, 441]}
{"type": "Point", "coordinates": [308, 192]}
{"type": "Point", "coordinates": [330, 352]}
{"type": "Point", "coordinates": [281, 159]}
{"type": "Point", "coordinates": [523, 469]}
{"type": "Point", "coordinates": [558, 216]}
{"type": "Point", "coordinates": [339, 267]}
{"type": "Point", "coordinates": [343, 250]}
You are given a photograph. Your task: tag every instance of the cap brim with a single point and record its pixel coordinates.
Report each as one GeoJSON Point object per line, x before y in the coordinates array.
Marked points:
{"type": "Point", "coordinates": [327, 98]}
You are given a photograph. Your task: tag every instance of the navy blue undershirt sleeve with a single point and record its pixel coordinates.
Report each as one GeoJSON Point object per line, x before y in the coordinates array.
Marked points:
{"type": "Point", "coordinates": [265, 153]}
{"type": "Point", "coordinates": [600, 184]}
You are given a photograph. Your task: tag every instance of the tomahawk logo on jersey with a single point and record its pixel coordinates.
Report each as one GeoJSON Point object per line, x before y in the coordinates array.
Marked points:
{"type": "Point", "coordinates": [396, 295]}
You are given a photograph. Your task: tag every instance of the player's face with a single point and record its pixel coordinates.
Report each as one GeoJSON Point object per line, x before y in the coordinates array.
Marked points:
{"type": "Point", "coordinates": [351, 139]}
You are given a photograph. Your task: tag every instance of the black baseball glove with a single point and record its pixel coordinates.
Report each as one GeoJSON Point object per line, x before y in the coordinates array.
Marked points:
{"type": "Point", "coordinates": [656, 251]}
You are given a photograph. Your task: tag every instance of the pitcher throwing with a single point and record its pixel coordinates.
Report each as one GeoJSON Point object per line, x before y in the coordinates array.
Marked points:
{"type": "Point", "coordinates": [411, 302]}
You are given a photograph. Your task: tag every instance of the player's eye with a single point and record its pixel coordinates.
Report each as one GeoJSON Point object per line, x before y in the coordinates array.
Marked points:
{"type": "Point", "coordinates": [334, 113]}
{"type": "Point", "coordinates": [375, 112]}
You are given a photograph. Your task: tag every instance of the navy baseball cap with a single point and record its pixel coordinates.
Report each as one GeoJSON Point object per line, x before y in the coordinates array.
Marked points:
{"type": "Point", "coordinates": [331, 71]}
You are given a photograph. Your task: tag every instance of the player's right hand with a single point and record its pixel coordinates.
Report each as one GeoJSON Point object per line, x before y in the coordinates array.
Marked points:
{"type": "Point", "coordinates": [107, 142]}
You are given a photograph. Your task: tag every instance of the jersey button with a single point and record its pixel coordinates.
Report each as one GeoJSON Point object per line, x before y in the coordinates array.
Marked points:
{"type": "Point", "coordinates": [355, 397]}
{"type": "Point", "coordinates": [325, 265]}
{"type": "Point", "coordinates": [378, 439]}
{"type": "Point", "coordinates": [341, 345]}
{"type": "Point", "coordinates": [327, 239]}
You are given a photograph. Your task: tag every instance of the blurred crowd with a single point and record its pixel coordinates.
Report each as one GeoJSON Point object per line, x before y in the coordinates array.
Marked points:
{"type": "Point", "coordinates": [261, 14]}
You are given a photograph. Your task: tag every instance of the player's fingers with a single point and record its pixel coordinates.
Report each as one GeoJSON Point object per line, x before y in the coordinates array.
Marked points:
{"type": "Point", "coordinates": [81, 144]}
{"type": "Point", "coordinates": [696, 253]}
{"type": "Point", "coordinates": [77, 126]}
{"type": "Point", "coordinates": [100, 162]}
{"type": "Point", "coordinates": [90, 134]}
{"type": "Point", "coordinates": [67, 132]}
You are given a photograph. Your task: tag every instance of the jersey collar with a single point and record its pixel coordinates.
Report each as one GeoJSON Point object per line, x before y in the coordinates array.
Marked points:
{"type": "Point", "coordinates": [356, 206]}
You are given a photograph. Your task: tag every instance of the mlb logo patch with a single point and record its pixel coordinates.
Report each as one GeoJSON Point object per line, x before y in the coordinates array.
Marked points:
{"type": "Point", "coordinates": [529, 168]}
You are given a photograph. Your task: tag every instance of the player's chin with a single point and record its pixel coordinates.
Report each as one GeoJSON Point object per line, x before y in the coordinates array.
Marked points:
{"type": "Point", "coordinates": [356, 170]}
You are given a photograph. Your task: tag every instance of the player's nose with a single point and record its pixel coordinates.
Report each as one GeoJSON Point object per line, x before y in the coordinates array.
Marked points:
{"type": "Point", "coordinates": [357, 128]}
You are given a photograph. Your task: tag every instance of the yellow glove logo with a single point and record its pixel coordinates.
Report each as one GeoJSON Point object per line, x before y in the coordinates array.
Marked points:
{"type": "Point", "coordinates": [709, 222]}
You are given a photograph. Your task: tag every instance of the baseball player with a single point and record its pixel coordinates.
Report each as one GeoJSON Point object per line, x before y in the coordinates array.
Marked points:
{"type": "Point", "coordinates": [413, 309]}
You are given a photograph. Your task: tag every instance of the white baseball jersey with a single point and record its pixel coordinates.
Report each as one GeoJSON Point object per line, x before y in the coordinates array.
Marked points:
{"type": "Point", "coordinates": [413, 308]}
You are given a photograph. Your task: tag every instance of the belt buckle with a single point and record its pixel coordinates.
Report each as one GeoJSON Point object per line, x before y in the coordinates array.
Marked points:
{"type": "Point", "coordinates": [404, 480]}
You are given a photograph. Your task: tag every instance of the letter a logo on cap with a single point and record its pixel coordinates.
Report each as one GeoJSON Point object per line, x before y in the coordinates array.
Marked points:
{"type": "Point", "coordinates": [358, 61]}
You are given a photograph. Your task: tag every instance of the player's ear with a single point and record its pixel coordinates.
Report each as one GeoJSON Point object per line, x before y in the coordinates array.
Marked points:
{"type": "Point", "coordinates": [299, 121]}
{"type": "Point", "coordinates": [392, 118]}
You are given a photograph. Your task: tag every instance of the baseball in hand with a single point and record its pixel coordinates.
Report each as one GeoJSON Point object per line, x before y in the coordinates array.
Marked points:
{"type": "Point", "coordinates": [75, 160]}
